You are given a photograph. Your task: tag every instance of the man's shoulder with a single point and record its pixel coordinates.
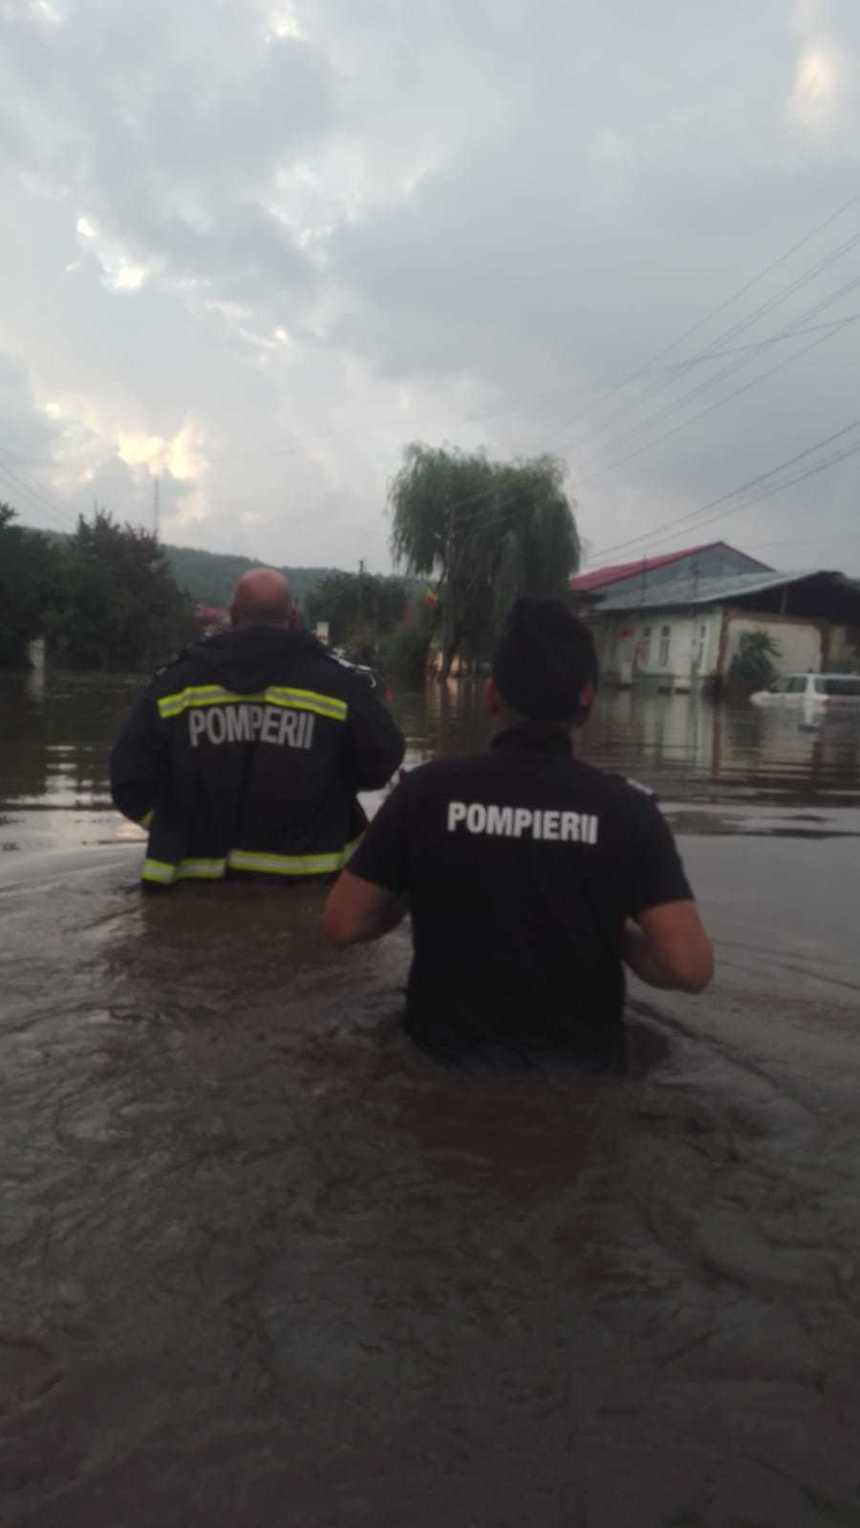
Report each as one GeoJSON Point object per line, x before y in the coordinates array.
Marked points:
{"type": "Point", "coordinates": [622, 793]}
{"type": "Point", "coordinates": [622, 786]}
{"type": "Point", "coordinates": [360, 680]}
{"type": "Point", "coordinates": [175, 671]}
{"type": "Point", "coordinates": [601, 788]}
{"type": "Point", "coordinates": [442, 774]}
{"type": "Point", "coordinates": [352, 681]}
{"type": "Point", "coordinates": [492, 765]}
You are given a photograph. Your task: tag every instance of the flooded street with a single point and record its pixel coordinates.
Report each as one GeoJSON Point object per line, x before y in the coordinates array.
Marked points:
{"type": "Point", "coordinates": [263, 1263]}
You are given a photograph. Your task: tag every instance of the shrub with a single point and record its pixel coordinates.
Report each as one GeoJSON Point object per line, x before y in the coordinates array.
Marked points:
{"type": "Point", "coordinates": [405, 654]}
{"type": "Point", "coordinates": [752, 667]}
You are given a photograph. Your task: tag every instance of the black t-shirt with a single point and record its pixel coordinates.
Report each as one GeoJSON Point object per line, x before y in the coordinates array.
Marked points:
{"type": "Point", "coordinates": [521, 866]}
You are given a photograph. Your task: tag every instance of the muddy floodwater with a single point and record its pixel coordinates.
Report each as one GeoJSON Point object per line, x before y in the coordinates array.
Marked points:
{"type": "Point", "coordinates": [263, 1263]}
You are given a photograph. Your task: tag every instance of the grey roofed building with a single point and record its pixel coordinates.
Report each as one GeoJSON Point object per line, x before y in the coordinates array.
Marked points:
{"type": "Point", "coordinates": [687, 591]}
{"type": "Point", "coordinates": [681, 632]}
{"type": "Point", "coordinates": [713, 559]}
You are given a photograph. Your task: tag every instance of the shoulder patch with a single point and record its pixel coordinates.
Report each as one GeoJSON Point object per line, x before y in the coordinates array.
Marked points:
{"type": "Point", "coordinates": [638, 786]}
{"type": "Point", "coordinates": [177, 658]}
{"type": "Point", "coordinates": [358, 669]}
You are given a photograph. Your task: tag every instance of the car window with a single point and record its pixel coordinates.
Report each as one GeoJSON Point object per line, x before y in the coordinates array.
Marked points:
{"type": "Point", "coordinates": [836, 685]}
{"type": "Point", "coordinates": [780, 687]}
{"type": "Point", "coordinates": [797, 684]}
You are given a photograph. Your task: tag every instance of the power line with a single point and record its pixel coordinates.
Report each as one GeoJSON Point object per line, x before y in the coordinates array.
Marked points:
{"type": "Point", "coordinates": [718, 403]}
{"type": "Point", "coordinates": [38, 500]}
{"type": "Point", "coordinates": [679, 403]}
{"type": "Point", "coordinates": [739, 327]}
{"type": "Point", "coordinates": [700, 323]}
{"type": "Point", "coordinates": [776, 488]}
{"type": "Point", "coordinates": [697, 514]}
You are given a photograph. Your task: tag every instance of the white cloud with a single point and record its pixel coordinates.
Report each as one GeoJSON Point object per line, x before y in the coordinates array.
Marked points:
{"type": "Point", "coordinates": [816, 84]}
{"type": "Point", "coordinates": [260, 247]}
{"type": "Point", "coordinates": [128, 278]}
{"type": "Point", "coordinates": [284, 24]}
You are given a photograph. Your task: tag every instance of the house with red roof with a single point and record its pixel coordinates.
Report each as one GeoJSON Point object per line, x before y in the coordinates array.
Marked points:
{"type": "Point", "coordinates": [676, 621]}
{"type": "Point", "coordinates": [713, 559]}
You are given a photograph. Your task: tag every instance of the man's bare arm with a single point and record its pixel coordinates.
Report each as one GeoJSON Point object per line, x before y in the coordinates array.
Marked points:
{"type": "Point", "coordinates": [668, 947]}
{"type": "Point", "coordinates": [357, 910]}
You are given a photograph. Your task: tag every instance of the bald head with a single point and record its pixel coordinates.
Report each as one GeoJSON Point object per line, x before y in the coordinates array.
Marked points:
{"type": "Point", "coordinates": [261, 598]}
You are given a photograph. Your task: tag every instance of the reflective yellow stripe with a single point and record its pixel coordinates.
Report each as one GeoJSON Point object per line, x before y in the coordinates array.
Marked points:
{"type": "Point", "coordinates": [291, 864]}
{"type": "Point", "coordinates": [187, 869]}
{"type": "Point", "coordinates": [247, 859]}
{"type": "Point", "coordinates": [158, 870]}
{"type": "Point", "coordinates": [201, 869]}
{"type": "Point", "coordinates": [274, 695]}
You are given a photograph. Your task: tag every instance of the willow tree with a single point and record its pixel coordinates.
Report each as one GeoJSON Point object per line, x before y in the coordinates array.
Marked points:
{"type": "Point", "coordinates": [486, 532]}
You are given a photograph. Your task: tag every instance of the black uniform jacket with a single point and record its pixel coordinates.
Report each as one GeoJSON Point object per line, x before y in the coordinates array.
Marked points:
{"type": "Point", "coordinates": [245, 755]}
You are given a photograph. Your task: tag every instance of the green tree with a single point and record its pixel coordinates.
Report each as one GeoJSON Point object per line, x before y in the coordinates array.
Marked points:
{"type": "Point", "coordinates": [122, 608]}
{"type": "Point", "coordinates": [361, 610]}
{"type": "Point", "coordinates": [752, 667]}
{"type": "Point", "coordinates": [486, 532]}
{"type": "Point", "coordinates": [30, 587]}
{"type": "Point", "coordinates": [406, 650]}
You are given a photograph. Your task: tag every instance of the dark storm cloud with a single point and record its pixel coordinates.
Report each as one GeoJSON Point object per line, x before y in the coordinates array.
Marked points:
{"type": "Point", "coordinates": [313, 232]}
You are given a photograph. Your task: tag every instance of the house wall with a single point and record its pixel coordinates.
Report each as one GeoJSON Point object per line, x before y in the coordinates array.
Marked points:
{"type": "Point", "coordinates": [800, 642]}
{"type": "Point", "coordinates": [703, 641]}
{"type": "Point", "coordinates": [843, 646]}
{"type": "Point", "coordinates": [666, 650]}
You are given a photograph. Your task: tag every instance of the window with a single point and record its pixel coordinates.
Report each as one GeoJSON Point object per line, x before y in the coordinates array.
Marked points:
{"type": "Point", "coordinates": [665, 639]}
{"type": "Point", "coordinates": [796, 684]}
{"type": "Point", "coordinates": [835, 685]}
{"type": "Point", "coordinates": [643, 650]}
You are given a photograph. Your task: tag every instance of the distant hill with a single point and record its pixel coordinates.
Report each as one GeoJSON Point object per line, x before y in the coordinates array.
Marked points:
{"type": "Point", "coordinates": [210, 576]}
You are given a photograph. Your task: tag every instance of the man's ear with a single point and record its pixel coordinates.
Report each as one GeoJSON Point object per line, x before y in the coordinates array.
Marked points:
{"type": "Point", "coordinates": [492, 700]}
{"type": "Point", "coordinates": [586, 701]}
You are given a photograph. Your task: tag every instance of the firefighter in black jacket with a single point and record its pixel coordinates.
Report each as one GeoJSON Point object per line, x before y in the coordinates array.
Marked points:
{"type": "Point", "coordinates": [245, 754]}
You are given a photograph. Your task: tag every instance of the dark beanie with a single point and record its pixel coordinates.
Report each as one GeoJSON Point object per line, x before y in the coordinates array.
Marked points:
{"type": "Point", "coordinates": [543, 659]}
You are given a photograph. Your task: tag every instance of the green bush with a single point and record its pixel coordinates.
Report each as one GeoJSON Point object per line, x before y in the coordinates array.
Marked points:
{"type": "Point", "coordinates": [406, 652]}
{"type": "Point", "coordinates": [752, 667]}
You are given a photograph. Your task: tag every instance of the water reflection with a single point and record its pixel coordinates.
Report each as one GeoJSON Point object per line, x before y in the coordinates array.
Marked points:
{"type": "Point", "coordinates": [684, 745]}
{"type": "Point", "coordinates": [56, 731]}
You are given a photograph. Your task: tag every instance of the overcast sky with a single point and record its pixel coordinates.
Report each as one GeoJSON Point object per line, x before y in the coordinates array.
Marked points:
{"type": "Point", "coordinates": [254, 251]}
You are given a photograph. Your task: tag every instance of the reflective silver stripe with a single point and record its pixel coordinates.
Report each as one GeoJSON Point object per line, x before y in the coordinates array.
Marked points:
{"type": "Point", "coordinates": [275, 695]}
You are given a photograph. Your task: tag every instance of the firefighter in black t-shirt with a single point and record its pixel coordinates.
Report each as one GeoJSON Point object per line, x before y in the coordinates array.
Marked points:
{"type": "Point", "coordinates": [530, 877]}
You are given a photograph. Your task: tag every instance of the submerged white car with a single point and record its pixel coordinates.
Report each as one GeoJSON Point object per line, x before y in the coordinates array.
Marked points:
{"type": "Point", "coordinates": [811, 690]}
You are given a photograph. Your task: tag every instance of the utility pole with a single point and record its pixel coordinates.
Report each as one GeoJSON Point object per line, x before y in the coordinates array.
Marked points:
{"type": "Point", "coordinates": [156, 507]}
